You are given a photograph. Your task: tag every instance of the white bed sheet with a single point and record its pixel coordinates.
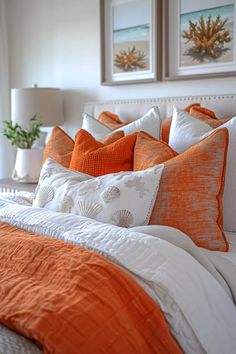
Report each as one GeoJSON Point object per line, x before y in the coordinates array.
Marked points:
{"type": "Point", "coordinates": [231, 255]}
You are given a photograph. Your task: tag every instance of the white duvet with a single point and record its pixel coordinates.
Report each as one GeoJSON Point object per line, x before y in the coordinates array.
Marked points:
{"type": "Point", "coordinates": [195, 298]}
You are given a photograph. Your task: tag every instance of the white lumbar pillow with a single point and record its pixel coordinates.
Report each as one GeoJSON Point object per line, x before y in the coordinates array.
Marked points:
{"type": "Point", "coordinates": [150, 123]}
{"type": "Point", "coordinates": [185, 131]}
{"type": "Point", "coordinates": [124, 199]}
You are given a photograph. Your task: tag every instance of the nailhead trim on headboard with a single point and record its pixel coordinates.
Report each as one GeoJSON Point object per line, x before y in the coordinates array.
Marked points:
{"type": "Point", "coordinates": [223, 104]}
{"type": "Point", "coordinates": [164, 99]}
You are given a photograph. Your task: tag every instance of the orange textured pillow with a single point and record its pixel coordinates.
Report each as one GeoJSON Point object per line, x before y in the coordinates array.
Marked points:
{"type": "Point", "coordinates": [149, 151]}
{"type": "Point", "coordinates": [96, 159]}
{"type": "Point", "coordinates": [112, 120]}
{"type": "Point", "coordinates": [167, 123]}
{"type": "Point", "coordinates": [190, 192]}
{"type": "Point", "coordinates": [60, 145]}
{"type": "Point", "coordinates": [111, 138]}
{"type": "Point", "coordinates": [213, 122]}
{"type": "Point", "coordinates": [204, 110]}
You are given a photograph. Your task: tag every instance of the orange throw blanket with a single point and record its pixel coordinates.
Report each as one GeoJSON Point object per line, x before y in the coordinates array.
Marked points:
{"type": "Point", "coordinates": [71, 300]}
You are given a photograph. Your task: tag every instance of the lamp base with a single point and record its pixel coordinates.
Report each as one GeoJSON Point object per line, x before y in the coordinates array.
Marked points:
{"type": "Point", "coordinates": [28, 165]}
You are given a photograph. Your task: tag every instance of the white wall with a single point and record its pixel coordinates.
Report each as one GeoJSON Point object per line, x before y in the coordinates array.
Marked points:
{"type": "Point", "coordinates": [56, 43]}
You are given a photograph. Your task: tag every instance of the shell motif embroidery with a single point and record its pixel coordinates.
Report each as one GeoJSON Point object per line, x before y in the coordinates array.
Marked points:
{"type": "Point", "coordinates": [45, 195]}
{"type": "Point", "coordinates": [66, 204]}
{"type": "Point", "coordinates": [87, 188]}
{"type": "Point", "coordinates": [89, 208]}
{"type": "Point", "coordinates": [110, 193]}
{"type": "Point", "coordinates": [123, 218]}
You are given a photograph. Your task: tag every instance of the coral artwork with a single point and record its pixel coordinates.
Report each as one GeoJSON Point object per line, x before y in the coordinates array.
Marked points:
{"type": "Point", "coordinates": [208, 36]}
{"type": "Point", "coordinates": [130, 59]}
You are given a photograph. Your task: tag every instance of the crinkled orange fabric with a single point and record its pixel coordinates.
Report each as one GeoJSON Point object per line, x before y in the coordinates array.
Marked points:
{"type": "Point", "coordinates": [96, 159]}
{"type": "Point", "coordinates": [190, 192]}
{"type": "Point", "coordinates": [149, 152]}
{"type": "Point", "coordinates": [204, 110]}
{"type": "Point", "coordinates": [111, 138]}
{"type": "Point", "coordinates": [213, 122]}
{"type": "Point", "coordinates": [70, 300]}
{"type": "Point", "coordinates": [112, 120]}
{"type": "Point", "coordinates": [60, 145]}
{"type": "Point", "coordinates": [167, 123]}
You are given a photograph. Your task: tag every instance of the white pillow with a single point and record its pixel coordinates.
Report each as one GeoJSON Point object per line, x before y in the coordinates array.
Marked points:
{"type": "Point", "coordinates": [149, 123]}
{"type": "Point", "coordinates": [96, 128]}
{"type": "Point", "coordinates": [123, 199]}
{"type": "Point", "coordinates": [185, 131]}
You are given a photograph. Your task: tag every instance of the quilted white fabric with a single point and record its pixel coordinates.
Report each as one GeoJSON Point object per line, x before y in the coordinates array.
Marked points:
{"type": "Point", "coordinates": [186, 131]}
{"type": "Point", "coordinates": [150, 123]}
{"type": "Point", "coordinates": [200, 313]}
{"type": "Point", "coordinates": [124, 199]}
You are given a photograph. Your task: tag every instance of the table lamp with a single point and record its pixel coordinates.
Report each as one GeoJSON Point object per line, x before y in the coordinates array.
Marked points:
{"type": "Point", "coordinates": [46, 104]}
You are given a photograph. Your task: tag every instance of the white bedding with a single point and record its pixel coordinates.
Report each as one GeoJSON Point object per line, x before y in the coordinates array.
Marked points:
{"type": "Point", "coordinates": [231, 255]}
{"type": "Point", "coordinates": [200, 312]}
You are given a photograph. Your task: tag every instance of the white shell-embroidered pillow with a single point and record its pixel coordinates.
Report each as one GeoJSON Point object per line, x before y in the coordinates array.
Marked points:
{"type": "Point", "coordinates": [124, 199]}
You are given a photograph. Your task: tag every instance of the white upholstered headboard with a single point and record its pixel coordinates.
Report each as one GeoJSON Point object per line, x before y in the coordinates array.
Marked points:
{"type": "Point", "coordinates": [223, 105]}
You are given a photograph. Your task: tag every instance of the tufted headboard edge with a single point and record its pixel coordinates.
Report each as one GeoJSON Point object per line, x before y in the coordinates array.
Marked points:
{"type": "Point", "coordinates": [223, 105]}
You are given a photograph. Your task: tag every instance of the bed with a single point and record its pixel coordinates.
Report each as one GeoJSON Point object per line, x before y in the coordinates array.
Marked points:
{"type": "Point", "coordinates": [167, 294]}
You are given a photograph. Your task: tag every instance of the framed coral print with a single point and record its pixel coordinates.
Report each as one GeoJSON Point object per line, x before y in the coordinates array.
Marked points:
{"type": "Point", "coordinates": [200, 38]}
{"type": "Point", "coordinates": [130, 41]}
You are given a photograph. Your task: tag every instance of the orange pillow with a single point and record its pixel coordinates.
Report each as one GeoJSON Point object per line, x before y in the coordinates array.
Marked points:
{"type": "Point", "coordinates": [60, 145]}
{"type": "Point", "coordinates": [167, 123]}
{"type": "Point", "coordinates": [96, 159]}
{"type": "Point", "coordinates": [112, 120]}
{"type": "Point", "coordinates": [191, 189]}
{"type": "Point", "coordinates": [203, 110]}
{"type": "Point", "coordinates": [213, 122]}
{"type": "Point", "coordinates": [149, 151]}
{"type": "Point", "coordinates": [111, 138]}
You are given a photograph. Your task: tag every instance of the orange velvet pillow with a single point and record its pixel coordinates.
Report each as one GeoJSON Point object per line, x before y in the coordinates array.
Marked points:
{"type": "Point", "coordinates": [60, 145]}
{"type": "Point", "coordinates": [112, 120]}
{"type": "Point", "coordinates": [191, 189]}
{"type": "Point", "coordinates": [149, 151]}
{"type": "Point", "coordinates": [203, 110]}
{"type": "Point", "coordinates": [213, 122]}
{"type": "Point", "coordinates": [167, 123]}
{"type": "Point", "coordinates": [111, 138]}
{"type": "Point", "coordinates": [96, 159]}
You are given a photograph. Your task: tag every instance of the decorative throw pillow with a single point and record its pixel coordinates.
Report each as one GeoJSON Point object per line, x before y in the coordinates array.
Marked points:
{"type": "Point", "coordinates": [150, 123]}
{"type": "Point", "coordinates": [203, 110]}
{"type": "Point", "coordinates": [167, 123]}
{"type": "Point", "coordinates": [96, 159]}
{"type": "Point", "coordinates": [190, 192]}
{"type": "Point", "coordinates": [213, 122]}
{"type": "Point", "coordinates": [186, 131]}
{"type": "Point", "coordinates": [112, 120]}
{"type": "Point", "coordinates": [60, 145]}
{"type": "Point", "coordinates": [123, 199]}
{"type": "Point", "coordinates": [149, 152]}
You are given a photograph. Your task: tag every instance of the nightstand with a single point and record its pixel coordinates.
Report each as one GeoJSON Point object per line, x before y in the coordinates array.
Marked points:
{"type": "Point", "coordinates": [8, 185]}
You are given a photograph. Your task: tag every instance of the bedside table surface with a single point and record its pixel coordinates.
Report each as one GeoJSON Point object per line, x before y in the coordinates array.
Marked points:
{"type": "Point", "coordinates": [8, 184]}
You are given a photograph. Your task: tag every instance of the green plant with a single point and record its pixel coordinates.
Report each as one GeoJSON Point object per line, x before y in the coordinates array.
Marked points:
{"type": "Point", "coordinates": [19, 137]}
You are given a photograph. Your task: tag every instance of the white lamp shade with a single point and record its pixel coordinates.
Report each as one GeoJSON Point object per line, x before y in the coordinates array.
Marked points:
{"type": "Point", "coordinates": [45, 102]}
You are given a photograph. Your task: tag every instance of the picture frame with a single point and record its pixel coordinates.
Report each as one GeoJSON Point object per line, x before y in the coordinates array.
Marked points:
{"type": "Point", "coordinates": [189, 52]}
{"type": "Point", "coordinates": [131, 46]}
